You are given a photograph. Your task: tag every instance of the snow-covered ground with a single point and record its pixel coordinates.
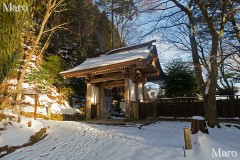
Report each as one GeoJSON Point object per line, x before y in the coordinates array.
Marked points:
{"type": "Point", "coordinates": [161, 140]}
{"type": "Point", "coordinates": [15, 133]}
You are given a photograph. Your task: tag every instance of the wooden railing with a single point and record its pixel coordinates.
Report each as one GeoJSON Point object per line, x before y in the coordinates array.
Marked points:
{"type": "Point", "coordinates": [35, 93]}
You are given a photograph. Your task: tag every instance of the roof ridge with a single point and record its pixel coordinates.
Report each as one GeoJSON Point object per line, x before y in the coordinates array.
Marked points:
{"type": "Point", "coordinates": [130, 47]}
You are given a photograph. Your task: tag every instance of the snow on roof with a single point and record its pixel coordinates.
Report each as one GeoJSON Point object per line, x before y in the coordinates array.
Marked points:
{"type": "Point", "coordinates": [131, 46]}
{"type": "Point", "coordinates": [105, 60]}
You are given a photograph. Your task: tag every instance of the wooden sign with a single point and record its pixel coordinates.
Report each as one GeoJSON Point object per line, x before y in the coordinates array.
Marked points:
{"type": "Point", "coordinates": [187, 138]}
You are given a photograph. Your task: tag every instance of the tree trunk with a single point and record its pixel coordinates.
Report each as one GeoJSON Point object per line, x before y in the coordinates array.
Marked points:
{"type": "Point", "coordinates": [198, 124]}
{"type": "Point", "coordinates": [36, 42]}
{"type": "Point", "coordinates": [210, 95]}
{"type": "Point", "coordinates": [45, 46]}
{"type": "Point", "coordinates": [207, 89]}
{"type": "Point", "coordinates": [211, 110]}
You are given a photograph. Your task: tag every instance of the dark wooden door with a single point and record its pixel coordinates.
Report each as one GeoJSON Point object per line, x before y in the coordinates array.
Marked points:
{"type": "Point", "coordinates": [93, 111]}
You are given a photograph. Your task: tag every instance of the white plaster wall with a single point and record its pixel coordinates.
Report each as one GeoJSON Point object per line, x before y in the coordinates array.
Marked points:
{"type": "Point", "coordinates": [122, 106]}
{"type": "Point", "coordinates": [132, 91]}
{"type": "Point", "coordinates": [94, 94]}
{"type": "Point", "coordinates": [140, 91]}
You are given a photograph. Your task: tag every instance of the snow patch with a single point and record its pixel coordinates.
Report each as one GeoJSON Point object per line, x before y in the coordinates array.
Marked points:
{"type": "Point", "coordinates": [198, 118]}
{"type": "Point", "coordinates": [18, 133]}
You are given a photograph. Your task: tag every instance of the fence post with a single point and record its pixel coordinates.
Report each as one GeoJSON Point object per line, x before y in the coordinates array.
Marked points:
{"type": "Point", "coordinates": [35, 106]}
{"type": "Point", "coordinates": [49, 111]}
{"type": "Point", "coordinates": [18, 107]}
{"type": "Point", "coordinates": [232, 107]}
{"type": "Point", "coordinates": [155, 109]}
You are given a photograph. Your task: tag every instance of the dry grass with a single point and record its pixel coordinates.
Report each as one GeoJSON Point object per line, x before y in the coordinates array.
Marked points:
{"type": "Point", "coordinates": [2, 117]}
{"type": "Point", "coordinates": [3, 88]}
{"type": "Point", "coordinates": [4, 103]}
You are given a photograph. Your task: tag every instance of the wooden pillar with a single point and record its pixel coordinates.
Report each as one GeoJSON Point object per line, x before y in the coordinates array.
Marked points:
{"type": "Point", "coordinates": [136, 110]}
{"type": "Point", "coordinates": [101, 103]}
{"type": "Point", "coordinates": [88, 100]}
{"type": "Point", "coordinates": [127, 99]}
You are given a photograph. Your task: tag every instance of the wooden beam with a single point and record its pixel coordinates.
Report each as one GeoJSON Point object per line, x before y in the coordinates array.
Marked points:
{"type": "Point", "coordinates": [150, 74]}
{"type": "Point", "coordinates": [106, 75]}
{"type": "Point", "coordinates": [151, 61]}
{"type": "Point", "coordinates": [158, 66]}
{"type": "Point", "coordinates": [111, 84]}
{"type": "Point", "coordinates": [107, 78]}
{"type": "Point", "coordinates": [109, 72]}
{"type": "Point", "coordinates": [141, 80]}
{"type": "Point", "coordinates": [143, 63]}
{"type": "Point", "coordinates": [154, 63]}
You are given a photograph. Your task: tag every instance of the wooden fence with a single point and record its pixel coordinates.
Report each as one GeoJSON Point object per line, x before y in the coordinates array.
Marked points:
{"type": "Point", "coordinates": [225, 108]}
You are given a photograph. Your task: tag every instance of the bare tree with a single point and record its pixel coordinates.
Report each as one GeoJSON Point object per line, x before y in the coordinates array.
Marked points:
{"type": "Point", "coordinates": [122, 13]}
{"type": "Point", "coordinates": [196, 26]}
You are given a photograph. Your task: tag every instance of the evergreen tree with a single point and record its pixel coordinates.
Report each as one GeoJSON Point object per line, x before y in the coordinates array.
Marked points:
{"type": "Point", "coordinates": [11, 30]}
{"type": "Point", "coordinates": [48, 74]}
{"type": "Point", "coordinates": [180, 80]}
{"type": "Point", "coordinates": [87, 35]}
